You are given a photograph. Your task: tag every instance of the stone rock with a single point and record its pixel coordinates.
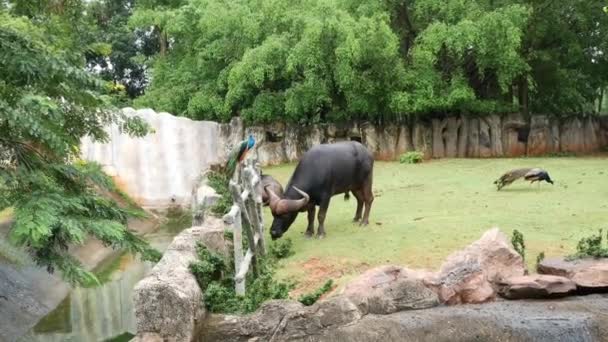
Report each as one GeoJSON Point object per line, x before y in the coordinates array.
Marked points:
{"type": "Point", "coordinates": [290, 144]}
{"type": "Point", "coordinates": [404, 140]}
{"type": "Point", "coordinates": [514, 135]}
{"type": "Point", "coordinates": [388, 289]}
{"type": "Point", "coordinates": [591, 129]}
{"type": "Point", "coordinates": [467, 276]}
{"type": "Point", "coordinates": [423, 139]}
{"type": "Point", "coordinates": [271, 153]}
{"type": "Point", "coordinates": [571, 133]}
{"type": "Point", "coordinates": [539, 139]}
{"type": "Point", "coordinates": [168, 301]}
{"type": "Point", "coordinates": [575, 319]}
{"type": "Point", "coordinates": [439, 126]}
{"type": "Point", "coordinates": [451, 136]}
{"type": "Point", "coordinates": [485, 139]}
{"type": "Point", "coordinates": [588, 274]}
{"type": "Point", "coordinates": [148, 337]}
{"type": "Point", "coordinates": [463, 139]}
{"type": "Point", "coordinates": [535, 286]}
{"type": "Point", "coordinates": [473, 138]}
{"type": "Point", "coordinates": [381, 141]}
{"type": "Point", "coordinates": [494, 123]}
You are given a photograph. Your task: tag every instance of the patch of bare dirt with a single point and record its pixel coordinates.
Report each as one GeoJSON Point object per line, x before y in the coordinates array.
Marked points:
{"type": "Point", "coordinates": [315, 272]}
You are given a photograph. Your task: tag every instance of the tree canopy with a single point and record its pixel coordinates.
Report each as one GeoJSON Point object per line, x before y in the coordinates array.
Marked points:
{"type": "Point", "coordinates": [48, 102]}
{"type": "Point", "coordinates": [317, 60]}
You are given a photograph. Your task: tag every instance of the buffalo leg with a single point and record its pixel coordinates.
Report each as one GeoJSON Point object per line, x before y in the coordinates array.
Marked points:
{"type": "Point", "coordinates": [359, 196]}
{"type": "Point", "coordinates": [368, 198]}
{"type": "Point", "coordinates": [321, 217]}
{"type": "Point", "coordinates": [310, 230]}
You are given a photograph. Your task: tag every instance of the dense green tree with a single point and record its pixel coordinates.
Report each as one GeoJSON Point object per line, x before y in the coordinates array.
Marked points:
{"type": "Point", "coordinates": [48, 102]}
{"type": "Point", "coordinates": [336, 59]}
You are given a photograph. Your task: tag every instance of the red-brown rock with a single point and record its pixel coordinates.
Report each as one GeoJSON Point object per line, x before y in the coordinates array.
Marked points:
{"type": "Point", "coordinates": [467, 276]}
{"type": "Point", "coordinates": [588, 273]}
{"type": "Point", "coordinates": [388, 289]}
{"type": "Point", "coordinates": [536, 286]}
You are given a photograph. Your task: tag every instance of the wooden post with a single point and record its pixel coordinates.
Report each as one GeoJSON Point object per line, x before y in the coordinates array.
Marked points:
{"type": "Point", "coordinates": [237, 196]}
{"type": "Point", "coordinates": [251, 180]}
{"type": "Point", "coordinates": [233, 218]}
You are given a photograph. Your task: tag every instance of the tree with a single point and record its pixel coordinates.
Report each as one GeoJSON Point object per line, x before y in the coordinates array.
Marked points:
{"type": "Point", "coordinates": [48, 102]}
{"type": "Point", "coordinates": [330, 60]}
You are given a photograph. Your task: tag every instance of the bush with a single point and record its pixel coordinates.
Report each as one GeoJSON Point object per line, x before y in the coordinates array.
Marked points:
{"type": "Point", "coordinates": [215, 276]}
{"type": "Point", "coordinates": [220, 183]}
{"type": "Point", "coordinates": [539, 258]}
{"type": "Point", "coordinates": [517, 240]}
{"type": "Point", "coordinates": [590, 247]}
{"type": "Point", "coordinates": [412, 157]}
{"type": "Point", "coordinates": [281, 249]}
{"type": "Point", "coordinates": [311, 298]}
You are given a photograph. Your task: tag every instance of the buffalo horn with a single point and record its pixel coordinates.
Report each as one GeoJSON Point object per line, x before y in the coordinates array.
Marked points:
{"type": "Point", "coordinates": [280, 206]}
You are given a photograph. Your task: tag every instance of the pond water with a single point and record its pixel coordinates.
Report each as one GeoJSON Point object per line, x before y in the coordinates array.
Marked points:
{"type": "Point", "coordinates": [100, 313]}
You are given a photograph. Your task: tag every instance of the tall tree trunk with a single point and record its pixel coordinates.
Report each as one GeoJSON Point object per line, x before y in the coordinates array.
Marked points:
{"type": "Point", "coordinates": [162, 40]}
{"type": "Point", "coordinates": [601, 99]}
{"type": "Point", "coordinates": [523, 95]}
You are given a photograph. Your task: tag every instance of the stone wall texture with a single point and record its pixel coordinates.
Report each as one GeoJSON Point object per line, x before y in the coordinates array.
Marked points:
{"type": "Point", "coordinates": [163, 168]}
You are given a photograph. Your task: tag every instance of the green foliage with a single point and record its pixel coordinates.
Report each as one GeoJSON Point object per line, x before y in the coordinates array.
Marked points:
{"type": "Point", "coordinates": [48, 103]}
{"type": "Point", "coordinates": [281, 249]}
{"type": "Point", "coordinates": [517, 240]}
{"type": "Point", "coordinates": [331, 60]}
{"type": "Point", "coordinates": [539, 258]}
{"type": "Point", "coordinates": [220, 182]}
{"type": "Point", "coordinates": [590, 247]}
{"type": "Point", "coordinates": [215, 276]}
{"type": "Point", "coordinates": [311, 298]}
{"type": "Point", "coordinates": [412, 157]}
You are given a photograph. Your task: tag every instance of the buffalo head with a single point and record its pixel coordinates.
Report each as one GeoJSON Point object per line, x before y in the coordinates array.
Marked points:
{"type": "Point", "coordinates": [284, 211]}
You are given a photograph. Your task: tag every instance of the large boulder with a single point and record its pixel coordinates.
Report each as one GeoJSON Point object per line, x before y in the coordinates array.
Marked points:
{"type": "Point", "coordinates": [467, 276]}
{"type": "Point", "coordinates": [169, 301]}
{"type": "Point", "coordinates": [388, 289]}
{"type": "Point", "coordinates": [536, 286]}
{"type": "Point", "coordinates": [588, 274]}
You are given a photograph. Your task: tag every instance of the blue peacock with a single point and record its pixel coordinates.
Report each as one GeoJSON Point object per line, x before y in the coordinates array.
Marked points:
{"type": "Point", "coordinates": [238, 154]}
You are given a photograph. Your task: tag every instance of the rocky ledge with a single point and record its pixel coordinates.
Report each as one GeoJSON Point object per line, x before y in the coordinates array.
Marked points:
{"type": "Point", "coordinates": [393, 303]}
{"type": "Point", "coordinates": [338, 319]}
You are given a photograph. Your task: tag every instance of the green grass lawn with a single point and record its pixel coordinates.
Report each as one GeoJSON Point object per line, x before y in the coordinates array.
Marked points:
{"type": "Point", "coordinates": [426, 211]}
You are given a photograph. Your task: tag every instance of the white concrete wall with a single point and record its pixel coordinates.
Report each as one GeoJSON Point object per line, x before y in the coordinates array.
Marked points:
{"type": "Point", "coordinates": [162, 166]}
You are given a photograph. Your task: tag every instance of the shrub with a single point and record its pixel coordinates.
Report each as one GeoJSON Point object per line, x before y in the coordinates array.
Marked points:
{"type": "Point", "coordinates": [215, 276]}
{"type": "Point", "coordinates": [220, 183]}
{"type": "Point", "coordinates": [590, 247]}
{"type": "Point", "coordinates": [539, 258]}
{"type": "Point", "coordinates": [412, 157]}
{"type": "Point", "coordinates": [517, 240]}
{"type": "Point", "coordinates": [281, 249]}
{"type": "Point", "coordinates": [311, 298]}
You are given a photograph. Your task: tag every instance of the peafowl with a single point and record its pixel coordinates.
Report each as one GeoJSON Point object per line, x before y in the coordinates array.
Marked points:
{"type": "Point", "coordinates": [529, 174]}
{"type": "Point", "coordinates": [238, 154]}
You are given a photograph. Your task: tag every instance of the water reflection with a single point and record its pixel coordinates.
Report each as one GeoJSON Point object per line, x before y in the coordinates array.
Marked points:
{"type": "Point", "coordinates": [99, 313]}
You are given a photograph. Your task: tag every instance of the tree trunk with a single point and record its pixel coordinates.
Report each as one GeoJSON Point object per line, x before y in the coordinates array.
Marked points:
{"type": "Point", "coordinates": [162, 40]}
{"type": "Point", "coordinates": [601, 99]}
{"type": "Point", "coordinates": [523, 95]}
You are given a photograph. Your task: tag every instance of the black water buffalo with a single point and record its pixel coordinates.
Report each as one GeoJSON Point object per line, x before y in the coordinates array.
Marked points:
{"type": "Point", "coordinates": [324, 171]}
{"type": "Point", "coordinates": [267, 182]}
